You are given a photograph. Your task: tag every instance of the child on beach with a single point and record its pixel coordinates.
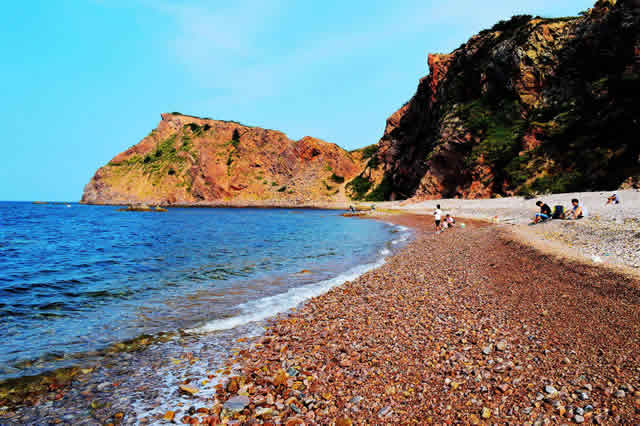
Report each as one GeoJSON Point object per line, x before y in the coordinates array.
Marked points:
{"type": "Point", "coordinates": [449, 220]}
{"type": "Point", "coordinates": [438, 216]}
{"type": "Point", "coordinates": [545, 212]}
{"type": "Point", "coordinates": [577, 211]}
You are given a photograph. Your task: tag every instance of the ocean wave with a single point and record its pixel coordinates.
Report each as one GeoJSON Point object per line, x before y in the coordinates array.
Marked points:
{"type": "Point", "coordinates": [261, 309]}
{"type": "Point", "coordinates": [266, 307]}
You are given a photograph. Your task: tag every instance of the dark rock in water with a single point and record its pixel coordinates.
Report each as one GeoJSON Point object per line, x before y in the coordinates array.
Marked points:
{"type": "Point", "coordinates": [236, 403]}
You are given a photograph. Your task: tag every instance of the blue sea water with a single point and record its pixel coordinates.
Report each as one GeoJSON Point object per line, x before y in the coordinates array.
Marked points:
{"type": "Point", "coordinates": [76, 279]}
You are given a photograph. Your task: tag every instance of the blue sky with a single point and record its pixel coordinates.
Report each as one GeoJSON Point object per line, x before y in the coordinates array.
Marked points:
{"type": "Point", "coordinates": [82, 80]}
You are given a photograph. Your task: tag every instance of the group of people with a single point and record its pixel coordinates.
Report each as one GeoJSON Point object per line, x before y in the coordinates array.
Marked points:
{"type": "Point", "coordinates": [442, 224]}
{"type": "Point", "coordinates": [577, 211]}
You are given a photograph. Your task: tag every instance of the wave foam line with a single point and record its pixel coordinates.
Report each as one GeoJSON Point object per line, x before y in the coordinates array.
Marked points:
{"type": "Point", "coordinates": [266, 307]}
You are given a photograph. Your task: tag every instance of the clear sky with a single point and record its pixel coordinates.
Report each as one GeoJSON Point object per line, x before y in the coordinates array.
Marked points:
{"type": "Point", "coordinates": [82, 80]}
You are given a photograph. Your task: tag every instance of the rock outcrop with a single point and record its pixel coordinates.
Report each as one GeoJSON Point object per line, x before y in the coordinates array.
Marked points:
{"type": "Point", "coordinates": [532, 105]}
{"type": "Point", "coordinates": [189, 160]}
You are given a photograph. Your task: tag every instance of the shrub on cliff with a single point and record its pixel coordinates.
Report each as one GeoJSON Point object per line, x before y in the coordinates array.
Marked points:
{"type": "Point", "coordinates": [336, 178]}
{"type": "Point", "coordinates": [358, 187]}
{"type": "Point", "coordinates": [235, 139]}
{"type": "Point", "coordinates": [382, 192]}
{"type": "Point", "coordinates": [369, 151]}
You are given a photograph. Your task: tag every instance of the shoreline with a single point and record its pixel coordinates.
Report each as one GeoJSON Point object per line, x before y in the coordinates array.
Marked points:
{"type": "Point", "coordinates": [19, 393]}
{"type": "Point", "coordinates": [238, 205]}
{"type": "Point", "coordinates": [326, 314]}
{"type": "Point", "coordinates": [313, 366]}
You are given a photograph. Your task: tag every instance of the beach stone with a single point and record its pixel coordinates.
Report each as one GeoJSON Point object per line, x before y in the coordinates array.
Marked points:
{"type": "Point", "coordinates": [102, 386]}
{"type": "Point", "coordinates": [501, 345]}
{"type": "Point", "coordinates": [550, 390]}
{"type": "Point", "coordinates": [384, 411]}
{"type": "Point", "coordinates": [578, 419]}
{"type": "Point", "coordinates": [188, 389]}
{"type": "Point", "coordinates": [355, 400]}
{"type": "Point", "coordinates": [583, 396]}
{"type": "Point", "coordinates": [486, 413]}
{"type": "Point", "coordinates": [487, 350]}
{"type": "Point", "coordinates": [237, 403]}
{"type": "Point", "coordinates": [620, 393]}
{"type": "Point", "coordinates": [579, 411]}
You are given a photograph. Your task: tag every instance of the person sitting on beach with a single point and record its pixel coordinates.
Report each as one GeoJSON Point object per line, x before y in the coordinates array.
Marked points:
{"type": "Point", "coordinates": [545, 212]}
{"type": "Point", "coordinates": [438, 217]}
{"type": "Point", "coordinates": [353, 210]}
{"type": "Point", "coordinates": [577, 211]}
{"type": "Point", "coordinates": [450, 221]}
{"type": "Point", "coordinates": [613, 199]}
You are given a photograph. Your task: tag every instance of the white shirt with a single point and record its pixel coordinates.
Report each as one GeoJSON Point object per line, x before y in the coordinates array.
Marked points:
{"type": "Point", "coordinates": [438, 214]}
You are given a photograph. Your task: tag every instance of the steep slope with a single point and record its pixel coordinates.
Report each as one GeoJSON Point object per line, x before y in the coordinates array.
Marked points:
{"type": "Point", "coordinates": [531, 105]}
{"type": "Point", "coordinates": [190, 160]}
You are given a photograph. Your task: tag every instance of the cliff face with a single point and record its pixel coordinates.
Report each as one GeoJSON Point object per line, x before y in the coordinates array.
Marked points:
{"type": "Point", "coordinates": [532, 105]}
{"type": "Point", "coordinates": [188, 160]}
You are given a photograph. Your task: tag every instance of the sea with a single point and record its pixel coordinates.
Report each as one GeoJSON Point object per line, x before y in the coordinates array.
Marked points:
{"type": "Point", "coordinates": [76, 279]}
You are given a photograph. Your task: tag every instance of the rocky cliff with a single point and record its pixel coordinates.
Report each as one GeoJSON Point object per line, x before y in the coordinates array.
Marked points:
{"type": "Point", "coordinates": [191, 160]}
{"type": "Point", "coordinates": [531, 105]}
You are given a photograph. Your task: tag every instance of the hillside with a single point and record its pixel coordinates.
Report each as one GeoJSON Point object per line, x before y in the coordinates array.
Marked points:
{"type": "Point", "coordinates": [190, 160]}
{"type": "Point", "coordinates": [532, 105]}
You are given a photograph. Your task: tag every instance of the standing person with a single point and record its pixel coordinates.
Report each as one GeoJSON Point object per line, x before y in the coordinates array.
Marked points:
{"type": "Point", "coordinates": [438, 216]}
{"type": "Point", "coordinates": [545, 212]}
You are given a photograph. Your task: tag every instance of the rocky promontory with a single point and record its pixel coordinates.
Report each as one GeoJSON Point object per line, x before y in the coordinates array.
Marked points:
{"type": "Point", "coordinates": [189, 161]}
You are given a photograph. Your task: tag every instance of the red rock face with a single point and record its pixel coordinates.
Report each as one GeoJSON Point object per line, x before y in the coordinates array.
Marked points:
{"type": "Point", "coordinates": [531, 105]}
{"type": "Point", "coordinates": [439, 66]}
{"type": "Point", "coordinates": [191, 160]}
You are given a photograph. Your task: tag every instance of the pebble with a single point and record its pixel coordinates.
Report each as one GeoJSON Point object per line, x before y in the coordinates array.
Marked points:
{"type": "Point", "coordinates": [578, 419]}
{"type": "Point", "coordinates": [355, 400]}
{"type": "Point", "coordinates": [486, 413]}
{"type": "Point", "coordinates": [384, 411]}
{"type": "Point", "coordinates": [102, 386]}
{"type": "Point", "coordinates": [501, 345]}
{"type": "Point", "coordinates": [237, 403]}
{"type": "Point", "coordinates": [487, 350]}
{"type": "Point", "coordinates": [620, 393]}
{"type": "Point", "coordinates": [550, 390]}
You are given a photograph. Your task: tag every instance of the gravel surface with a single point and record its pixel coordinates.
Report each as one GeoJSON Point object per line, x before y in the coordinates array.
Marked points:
{"type": "Point", "coordinates": [518, 210]}
{"type": "Point", "coordinates": [610, 234]}
{"type": "Point", "coordinates": [467, 326]}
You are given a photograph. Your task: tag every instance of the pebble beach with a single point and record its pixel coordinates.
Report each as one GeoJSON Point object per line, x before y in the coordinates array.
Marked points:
{"type": "Point", "coordinates": [468, 326]}
{"type": "Point", "coordinates": [471, 326]}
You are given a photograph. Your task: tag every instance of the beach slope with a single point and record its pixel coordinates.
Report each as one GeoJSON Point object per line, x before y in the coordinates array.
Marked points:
{"type": "Point", "coordinates": [465, 326]}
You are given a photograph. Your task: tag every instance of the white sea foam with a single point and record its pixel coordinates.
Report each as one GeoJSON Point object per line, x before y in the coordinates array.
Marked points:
{"type": "Point", "coordinates": [266, 307]}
